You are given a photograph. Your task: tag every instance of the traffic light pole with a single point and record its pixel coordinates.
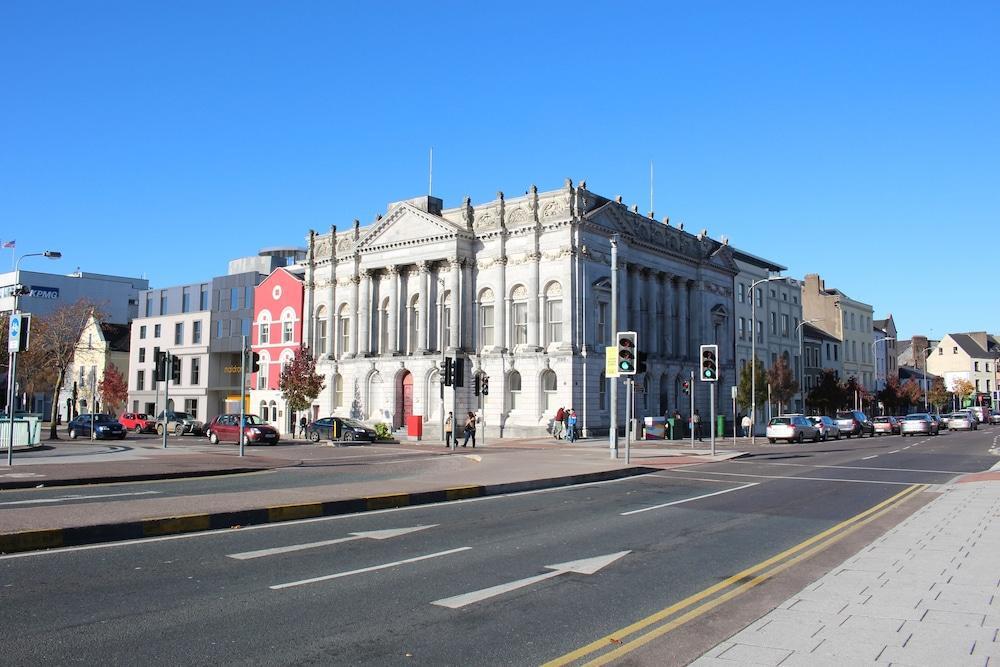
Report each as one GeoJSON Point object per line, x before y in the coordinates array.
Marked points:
{"type": "Point", "coordinates": [243, 388]}
{"type": "Point", "coordinates": [711, 414]}
{"type": "Point", "coordinates": [629, 397]}
{"type": "Point", "coordinates": [11, 398]}
{"type": "Point", "coordinates": [167, 372]}
{"type": "Point", "coordinates": [613, 427]}
{"type": "Point", "coordinates": [691, 415]}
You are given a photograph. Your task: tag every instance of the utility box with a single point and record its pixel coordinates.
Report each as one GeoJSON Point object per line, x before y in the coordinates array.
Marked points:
{"type": "Point", "coordinates": [415, 427]}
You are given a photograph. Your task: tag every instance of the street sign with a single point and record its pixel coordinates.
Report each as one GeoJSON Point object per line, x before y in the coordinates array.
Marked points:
{"type": "Point", "coordinates": [20, 326]}
{"type": "Point", "coordinates": [733, 391]}
{"type": "Point", "coordinates": [610, 362]}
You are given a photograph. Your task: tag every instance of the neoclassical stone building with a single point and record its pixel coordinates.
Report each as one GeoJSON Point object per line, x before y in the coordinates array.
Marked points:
{"type": "Point", "coordinates": [521, 289]}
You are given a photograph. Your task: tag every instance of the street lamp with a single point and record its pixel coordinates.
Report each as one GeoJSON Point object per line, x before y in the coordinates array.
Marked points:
{"type": "Point", "coordinates": [753, 354]}
{"type": "Point", "coordinates": [12, 366]}
{"type": "Point", "coordinates": [926, 355]}
{"type": "Point", "coordinates": [874, 362]}
{"type": "Point", "coordinates": [802, 369]}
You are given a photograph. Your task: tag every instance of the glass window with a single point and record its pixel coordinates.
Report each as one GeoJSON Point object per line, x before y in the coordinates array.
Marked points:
{"type": "Point", "coordinates": [195, 370]}
{"type": "Point", "coordinates": [486, 325]}
{"type": "Point", "coordinates": [602, 393]}
{"type": "Point", "coordinates": [321, 332]}
{"type": "Point", "coordinates": [549, 396]}
{"type": "Point", "coordinates": [140, 380]}
{"type": "Point", "coordinates": [602, 323]}
{"type": "Point", "coordinates": [760, 296]}
{"type": "Point", "coordinates": [245, 326]}
{"type": "Point", "coordinates": [163, 303]}
{"type": "Point", "coordinates": [196, 332]}
{"type": "Point", "coordinates": [234, 298]}
{"type": "Point", "coordinates": [149, 306]}
{"type": "Point", "coordinates": [513, 389]}
{"type": "Point", "coordinates": [142, 332]}
{"type": "Point", "coordinates": [178, 333]}
{"type": "Point", "coordinates": [741, 294]}
{"type": "Point", "coordinates": [262, 373]}
{"type": "Point", "coordinates": [774, 323]}
{"type": "Point", "coordinates": [784, 325]}
{"type": "Point", "coordinates": [445, 325]}
{"type": "Point", "coordinates": [156, 330]}
{"type": "Point", "coordinates": [203, 301]}
{"type": "Point", "coordinates": [248, 296]}
{"type": "Point", "coordinates": [191, 407]}
{"type": "Point", "coordinates": [142, 355]}
{"type": "Point", "coordinates": [520, 322]}
{"type": "Point", "coordinates": [553, 321]}
{"type": "Point", "coordinates": [760, 331]}
{"type": "Point", "coordinates": [286, 331]}
{"type": "Point", "coordinates": [345, 331]}
{"type": "Point", "coordinates": [218, 328]}
{"type": "Point", "coordinates": [771, 292]}
{"type": "Point", "coordinates": [186, 300]}
{"type": "Point", "coordinates": [263, 410]}
{"type": "Point", "coordinates": [338, 391]}
{"type": "Point", "coordinates": [264, 333]}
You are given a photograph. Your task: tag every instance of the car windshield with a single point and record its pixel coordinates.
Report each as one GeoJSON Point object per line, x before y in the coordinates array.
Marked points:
{"type": "Point", "coordinates": [780, 421]}
{"type": "Point", "coordinates": [179, 415]}
{"type": "Point", "coordinates": [141, 415]}
{"type": "Point", "coordinates": [816, 420]}
{"type": "Point", "coordinates": [352, 423]}
{"type": "Point", "coordinates": [959, 415]}
{"type": "Point", "coordinates": [882, 420]}
{"type": "Point", "coordinates": [104, 418]}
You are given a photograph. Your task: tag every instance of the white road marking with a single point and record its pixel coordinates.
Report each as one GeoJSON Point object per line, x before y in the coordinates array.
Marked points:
{"type": "Point", "coordinates": [60, 499]}
{"type": "Point", "coordinates": [370, 535]}
{"type": "Point", "coordinates": [373, 568]}
{"type": "Point", "coordinates": [808, 479]}
{"type": "Point", "coordinates": [582, 566]}
{"type": "Point", "coordinates": [870, 457]}
{"type": "Point", "coordinates": [806, 465]}
{"type": "Point", "coordinates": [688, 500]}
{"type": "Point", "coordinates": [699, 479]}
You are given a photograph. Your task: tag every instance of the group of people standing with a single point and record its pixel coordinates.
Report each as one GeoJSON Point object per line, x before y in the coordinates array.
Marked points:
{"type": "Point", "coordinates": [564, 424]}
{"type": "Point", "coordinates": [468, 430]}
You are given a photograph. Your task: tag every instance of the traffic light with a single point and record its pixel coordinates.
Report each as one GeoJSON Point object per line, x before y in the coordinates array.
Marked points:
{"type": "Point", "coordinates": [686, 387]}
{"type": "Point", "coordinates": [447, 371]}
{"type": "Point", "coordinates": [160, 369]}
{"type": "Point", "coordinates": [709, 363]}
{"type": "Point", "coordinates": [627, 353]}
{"type": "Point", "coordinates": [458, 368]}
{"type": "Point", "coordinates": [640, 362]}
{"type": "Point", "coordinates": [485, 387]}
{"type": "Point", "coordinates": [175, 368]}
{"type": "Point", "coordinates": [254, 362]}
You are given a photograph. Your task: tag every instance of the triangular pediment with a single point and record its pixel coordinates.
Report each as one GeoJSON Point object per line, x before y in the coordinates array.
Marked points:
{"type": "Point", "coordinates": [406, 224]}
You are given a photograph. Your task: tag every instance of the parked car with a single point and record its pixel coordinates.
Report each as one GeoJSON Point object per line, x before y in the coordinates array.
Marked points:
{"type": "Point", "coordinates": [139, 422]}
{"type": "Point", "coordinates": [961, 421]}
{"type": "Point", "coordinates": [104, 427]}
{"type": "Point", "coordinates": [854, 422]}
{"type": "Point", "coordinates": [887, 425]}
{"type": "Point", "coordinates": [828, 428]}
{"type": "Point", "coordinates": [339, 428]}
{"type": "Point", "coordinates": [942, 423]}
{"type": "Point", "coordinates": [792, 428]}
{"type": "Point", "coordinates": [919, 423]}
{"type": "Point", "coordinates": [179, 423]}
{"type": "Point", "coordinates": [226, 428]}
{"type": "Point", "coordinates": [995, 417]}
{"type": "Point", "coordinates": [981, 413]}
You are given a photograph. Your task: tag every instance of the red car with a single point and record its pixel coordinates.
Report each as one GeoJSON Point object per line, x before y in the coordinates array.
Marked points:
{"type": "Point", "coordinates": [138, 422]}
{"type": "Point", "coordinates": [886, 425]}
{"type": "Point", "coordinates": [225, 428]}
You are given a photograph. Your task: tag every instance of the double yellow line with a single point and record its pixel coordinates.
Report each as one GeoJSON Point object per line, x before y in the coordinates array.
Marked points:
{"type": "Point", "coordinates": [643, 631]}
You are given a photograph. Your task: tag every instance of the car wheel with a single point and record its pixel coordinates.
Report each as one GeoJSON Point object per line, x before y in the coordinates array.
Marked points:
{"type": "Point", "coordinates": [213, 438]}
{"type": "Point", "coordinates": [72, 434]}
{"type": "Point", "coordinates": [137, 429]}
{"type": "Point", "coordinates": [349, 436]}
{"type": "Point", "coordinates": [314, 436]}
{"type": "Point", "coordinates": [825, 436]}
{"type": "Point", "coordinates": [816, 437]}
{"type": "Point", "coordinates": [159, 429]}
{"type": "Point", "coordinates": [771, 440]}
{"type": "Point", "coordinates": [799, 438]}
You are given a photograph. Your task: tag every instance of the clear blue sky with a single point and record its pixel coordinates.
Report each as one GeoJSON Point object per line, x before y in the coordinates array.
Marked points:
{"type": "Point", "coordinates": [858, 140]}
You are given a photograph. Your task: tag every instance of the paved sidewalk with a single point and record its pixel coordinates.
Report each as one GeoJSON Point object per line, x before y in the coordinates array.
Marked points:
{"type": "Point", "coordinates": [925, 593]}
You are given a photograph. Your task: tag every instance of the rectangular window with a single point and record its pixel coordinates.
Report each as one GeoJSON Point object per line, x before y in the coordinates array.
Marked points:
{"type": "Point", "coordinates": [741, 332]}
{"type": "Point", "coordinates": [784, 325]}
{"type": "Point", "coordinates": [486, 326]}
{"type": "Point", "coordinates": [977, 384]}
{"type": "Point", "coordinates": [196, 332]}
{"type": "Point", "coordinates": [245, 327]}
{"type": "Point", "coordinates": [234, 298]}
{"type": "Point", "coordinates": [445, 326]}
{"type": "Point", "coordinates": [195, 370]}
{"type": "Point", "coordinates": [286, 331]}
{"type": "Point", "coordinates": [345, 335]}
{"type": "Point", "coordinates": [760, 332]}
{"type": "Point", "coordinates": [265, 333]}
{"type": "Point", "coordinates": [520, 322]}
{"type": "Point", "coordinates": [163, 303]}
{"type": "Point", "coordinates": [157, 330]}
{"type": "Point", "coordinates": [836, 351]}
{"type": "Point", "coordinates": [191, 407]}
{"type": "Point", "coordinates": [741, 292]}
{"type": "Point", "coordinates": [320, 335]}
{"type": "Point", "coordinates": [248, 296]}
{"type": "Point", "coordinates": [218, 328]}
{"type": "Point", "coordinates": [186, 300]}
{"type": "Point", "coordinates": [140, 381]}
{"type": "Point", "coordinates": [771, 292]}
{"type": "Point", "coordinates": [602, 323]}
{"type": "Point", "coordinates": [142, 355]}
{"type": "Point", "coordinates": [774, 323]}
{"type": "Point", "coordinates": [553, 321]}
{"type": "Point", "coordinates": [760, 296]}
{"type": "Point", "coordinates": [203, 301]}
{"type": "Point", "coordinates": [975, 366]}
{"type": "Point", "coordinates": [142, 332]}
{"type": "Point", "coordinates": [179, 333]}
{"type": "Point", "coordinates": [149, 305]}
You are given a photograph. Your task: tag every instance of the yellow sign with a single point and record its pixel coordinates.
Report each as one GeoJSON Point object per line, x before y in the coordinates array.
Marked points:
{"type": "Point", "coordinates": [611, 361]}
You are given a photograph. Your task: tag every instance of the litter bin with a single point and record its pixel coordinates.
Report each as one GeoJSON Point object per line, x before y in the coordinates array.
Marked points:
{"type": "Point", "coordinates": [670, 428]}
{"type": "Point", "coordinates": [720, 426]}
{"type": "Point", "coordinates": [415, 427]}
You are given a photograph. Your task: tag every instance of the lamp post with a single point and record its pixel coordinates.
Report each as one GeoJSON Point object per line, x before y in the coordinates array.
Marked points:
{"type": "Point", "coordinates": [12, 366]}
{"type": "Point", "coordinates": [802, 364]}
{"type": "Point", "coordinates": [927, 387]}
{"type": "Point", "coordinates": [753, 354]}
{"type": "Point", "coordinates": [874, 361]}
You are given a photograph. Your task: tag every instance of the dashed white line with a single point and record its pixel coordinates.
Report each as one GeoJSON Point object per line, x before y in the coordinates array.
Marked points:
{"type": "Point", "coordinates": [873, 456]}
{"type": "Point", "coordinates": [61, 499]}
{"type": "Point", "coordinates": [373, 568]}
{"type": "Point", "coordinates": [688, 500]}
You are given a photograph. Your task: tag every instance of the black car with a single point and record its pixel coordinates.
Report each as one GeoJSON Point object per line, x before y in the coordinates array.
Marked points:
{"type": "Point", "coordinates": [104, 427]}
{"type": "Point", "coordinates": [339, 428]}
{"type": "Point", "coordinates": [854, 422]}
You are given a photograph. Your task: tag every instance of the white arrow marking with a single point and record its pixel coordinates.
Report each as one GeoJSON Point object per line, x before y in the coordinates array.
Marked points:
{"type": "Point", "coordinates": [368, 569]}
{"type": "Point", "coordinates": [371, 535]}
{"type": "Point", "coordinates": [38, 501]}
{"type": "Point", "coordinates": [583, 566]}
{"type": "Point", "coordinates": [687, 500]}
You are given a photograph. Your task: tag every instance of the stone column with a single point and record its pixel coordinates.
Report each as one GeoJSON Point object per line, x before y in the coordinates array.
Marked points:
{"type": "Point", "coordinates": [534, 301]}
{"type": "Point", "coordinates": [331, 313]}
{"type": "Point", "coordinates": [355, 316]}
{"type": "Point", "coordinates": [623, 316]}
{"type": "Point", "coordinates": [500, 334]}
{"type": "Point", "coordinates": [684, 333]}
{"type": "Point", "coordinates": [392, 275]}
{"type": "Point", "coordinates": [365, 314]}
{"type": "Point", "coordinates": [468, 307]}
{"type": "Point", "coordinates": [456, 303]}
{"type": "Point", "coordinates": [655, 346]}
{"type": "Point", "coordinates": [424, 269]}
{"type": "Point", "coordinates": [669, 321]}
{"type": "Point", "coordinates": [635, 292]}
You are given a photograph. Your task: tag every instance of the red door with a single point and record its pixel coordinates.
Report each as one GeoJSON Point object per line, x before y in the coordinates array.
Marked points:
{"type": "Point", "coordinates": [406, 403]}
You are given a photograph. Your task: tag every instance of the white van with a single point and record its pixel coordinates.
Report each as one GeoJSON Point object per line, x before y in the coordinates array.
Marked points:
{"type": "Point", "coordinates": [982, 413]}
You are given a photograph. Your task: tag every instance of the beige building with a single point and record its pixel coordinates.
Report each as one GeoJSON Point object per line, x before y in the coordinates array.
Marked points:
{"type": "Point", "coordinates": [969, 356]}
{"type": "Point", "coordinates": [101, 346]}
{"type": "Point", "coordinates": [847, 320]}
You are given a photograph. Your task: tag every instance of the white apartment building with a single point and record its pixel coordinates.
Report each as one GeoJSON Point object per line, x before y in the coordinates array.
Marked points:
{"type": "Point", "coordinates": [846, 319]}
{"type": "Point", "coordinates": [970, 356]}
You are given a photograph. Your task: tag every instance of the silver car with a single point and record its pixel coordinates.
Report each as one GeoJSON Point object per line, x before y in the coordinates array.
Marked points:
{"type": "Point", "coordinates": [961, 421]}
{"type": "Point", "coordinates": [792, 428]}
{"type": "Point", "coordinates": [179, 423]}
{"type": "Point", "coordinates": [828, 428]}
{"type": "Point", "coordinates": [918, 423]}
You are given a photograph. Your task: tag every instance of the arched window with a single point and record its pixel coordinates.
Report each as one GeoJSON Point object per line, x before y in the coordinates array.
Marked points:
{"type": "Point", "coordinates": [265, 370]}
{"type": "Point", "coordinates": [486, 305]}
{"type": "Point", "coordinates": [263, 410]}
{"type": "Point", "coordinates": [344, 325]}
{"type": "Point", "coordinates": [549, 395]}
{"type": "Point", "coordinates": [321, 331]}
{"type": "Point", "coordinates": [602, 312]}
{"type": "Point", "coordinates": [274, 412]}
{"type": "Point", "coordinates": [287, 326]}
{"type": "Point", "coordinates": [513, 390]}
{"type": "Point", "coordinates": [264, 328]}
{"type": "Point", "coordinates": [286, 358]}
{"type": "Point", "coordinates": [553, 313]}
{"type": "Point", "coordinates": [445, 321]}
{"type": "Point", "coordinates": [519, 315]}
{"type": "Point", "coordinates": [413, 330]}
{"type": "Point", "coordinates": [338, 391]}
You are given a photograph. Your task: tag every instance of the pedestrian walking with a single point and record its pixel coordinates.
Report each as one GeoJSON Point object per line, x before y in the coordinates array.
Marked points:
{"type": "Point", "coordinates": [302, 425]}
{"type": "Point", "coordinates": [746, 424]}
{"type": "Point", "coordinates": [470, 430]}
{"type": "Point", "coordinates": [557, 423]}
{"type": "Point", "coordinates": [696, 424]}
{"type": "Point", "coordinates": [571, 426]}
{"type": "Point", "coordinates": [449, 424]}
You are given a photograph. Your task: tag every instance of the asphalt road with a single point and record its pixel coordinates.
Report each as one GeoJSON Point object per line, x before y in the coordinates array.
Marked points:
{"type": "Point", "coordinates": [256, 595]}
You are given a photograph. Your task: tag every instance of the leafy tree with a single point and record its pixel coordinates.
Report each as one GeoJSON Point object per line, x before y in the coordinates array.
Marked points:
{"type": "Point", "coordinates": [854, 389]}
{"type": "Point", "coordinates": [889, 396]}
{"type": "Point", "coordinates": [938, 395]}
{"type": "Point", "coordinates": [113, 389]}
{"type": "Point", "coordinates": [963, 389]}
{"type": "Point", "coordinates": [828, 395]}
{"type": "Point", "coordinates": [743, 391]}
{"type": "Point", "coordinates": [910, 393]}
{"type": "Point", "coordinates": [782, 381]}
{"type": "Point", "coordinates": [299, 382]}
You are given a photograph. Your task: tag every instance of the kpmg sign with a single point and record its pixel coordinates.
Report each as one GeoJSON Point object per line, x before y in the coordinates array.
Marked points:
{"type": "Point", "coordinates": [35, 291]}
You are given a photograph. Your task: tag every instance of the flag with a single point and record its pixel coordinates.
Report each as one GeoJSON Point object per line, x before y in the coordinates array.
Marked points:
{"type": "Point", "coordinates": [9, 244]}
